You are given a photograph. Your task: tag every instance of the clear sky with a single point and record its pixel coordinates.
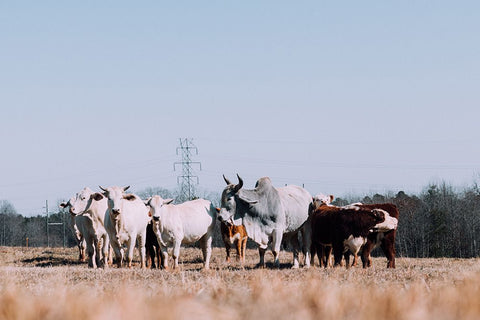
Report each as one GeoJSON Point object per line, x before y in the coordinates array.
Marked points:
{"type": "Point", "coordinates": [342, 96]}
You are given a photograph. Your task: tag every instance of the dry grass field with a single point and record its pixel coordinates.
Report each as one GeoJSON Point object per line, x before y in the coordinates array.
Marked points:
{"type": "Point", "coordinates": [40, 283]}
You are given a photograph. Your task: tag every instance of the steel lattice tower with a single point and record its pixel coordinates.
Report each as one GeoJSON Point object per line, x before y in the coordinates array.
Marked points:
{"type": "Point", "coordinates": [186, 180]}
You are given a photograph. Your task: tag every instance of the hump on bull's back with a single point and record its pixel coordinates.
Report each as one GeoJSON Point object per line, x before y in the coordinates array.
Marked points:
{"type": "Point", "coordinates": [262, 182]}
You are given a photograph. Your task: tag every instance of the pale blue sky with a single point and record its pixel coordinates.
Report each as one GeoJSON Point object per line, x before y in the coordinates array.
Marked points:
{"type": "Point", "coordinates": [345, 96]}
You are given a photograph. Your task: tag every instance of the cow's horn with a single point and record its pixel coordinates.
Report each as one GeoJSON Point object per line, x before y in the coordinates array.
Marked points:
{"type": "Point", "coordinates": [226, 180]}
{"type": "Point", "coordinates": [102, 188]}
{"type": "Point", "coordinates": [126, 188]}
{"type": "Point", "coordinates": [239, 185]}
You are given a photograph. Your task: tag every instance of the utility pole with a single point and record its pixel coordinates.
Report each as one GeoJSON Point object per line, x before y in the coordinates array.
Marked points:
{"type": "Point", "coordinates": [53, 224]}
{"type": "Point", "coordinates": [4, 225]}
{"type": "Point", "coordinates": [46, 211]}
{"type": "Point", "coordinates": [64, 224]}
{"type": "Point", "coordinates": [186, 180]}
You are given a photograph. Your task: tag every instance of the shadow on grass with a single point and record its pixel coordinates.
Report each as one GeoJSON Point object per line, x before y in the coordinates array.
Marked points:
{"type": "Point", "coordinates": [50, 261]}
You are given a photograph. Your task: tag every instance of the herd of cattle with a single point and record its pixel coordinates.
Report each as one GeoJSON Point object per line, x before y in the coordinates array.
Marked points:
{"type": "Point", "coordinates": [113, 220]}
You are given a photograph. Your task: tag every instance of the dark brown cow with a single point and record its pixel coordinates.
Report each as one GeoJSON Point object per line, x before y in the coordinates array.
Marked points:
{"type": "Point", "coordinates": [386, 239]}
{"type": "Point", "coordinates": [234, 235]}
{"type": "Point", "coordinates": [343, 228]}
{"type": "Point", "coordinates": [152, 249]}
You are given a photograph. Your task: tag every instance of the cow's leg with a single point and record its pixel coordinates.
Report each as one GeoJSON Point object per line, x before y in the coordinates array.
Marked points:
{"type": "Point", "coordinates": [82, 249]}
{"type": "Point", "coordinates": [91, 253]}
{"type": "Point", "coordinates": [238, 246]}
{"type": "Point", "coordinates": [118, 252]}
{"type": "Point", "coordinates": [313, 253]}
{"type": "Point", "coordinates": [105, 250]}
{"type": "Point", "coordinates": [337, 254]}
{"type": "Point", "coordinates": [388, 247]}
{"type": "Point", "coordinates": [164, 253]}
{"type": "Point", "coordinates": [355, 259]}
{"type": "Point", "coordinates": [295, 243]}
{"type": "Point", "coordinates": [367, 248]}
{"type": "Point", "coordinates": [261, 253]}
{"type": "Point", "coordinates": [141, 238]}
{"type": "Point", "coordinates": [176, 252]}
{"type": "Point", "coordinates": [227, 250]}
{"type": "Point", "coordinates": [130, 250]}
{"type": "Point", "coordinates": [154, 255]}
{"type": "Point", "coordinates": [244, 250]}
{"type": "Point", "coordinates": [307, 243]}
{"type": "Point", "coordinates": [276, 244]}
{"type": "Point", "coordinates": [326, 255]}
{"type": "Point", "coordinates": [159, 256]}
{"type": "Point", "coordinates": [98, 243]}
{"type": "Point", "coordinates": [149, 251]}
{"type": "Point", "coordinates": [110, 254]}
{"type": "Point", "coordinates": [206, 243]}
{"type": "Point", "coordinates": [346, 255]}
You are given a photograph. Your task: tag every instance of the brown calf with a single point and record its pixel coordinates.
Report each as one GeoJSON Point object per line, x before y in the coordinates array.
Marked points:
{"type": "Point", "coordinates": [234, 235]}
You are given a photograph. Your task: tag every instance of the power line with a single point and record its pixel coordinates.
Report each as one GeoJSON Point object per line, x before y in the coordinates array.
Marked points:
{"type": "Point", "coordinates": [186, 180]}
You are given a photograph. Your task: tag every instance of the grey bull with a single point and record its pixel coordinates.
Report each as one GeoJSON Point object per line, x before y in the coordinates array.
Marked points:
{"type": "Point", "coordinates": [269, 215]}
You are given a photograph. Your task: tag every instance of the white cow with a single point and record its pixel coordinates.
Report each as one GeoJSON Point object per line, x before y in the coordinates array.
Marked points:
{"type": "Point", "coordinates": [89, 209]}
{"type": "Point", "coordinates": [270, 215]}
{"type": "Point", "coordinates": [126, 223]}
{"type": "Point", "coordinates": [185, 223]}
{"type": "Point", "coordinates": [76, 232]}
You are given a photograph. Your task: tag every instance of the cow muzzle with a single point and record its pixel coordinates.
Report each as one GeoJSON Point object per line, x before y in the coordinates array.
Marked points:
{"type": "Point", "coordinates": [116, 211]}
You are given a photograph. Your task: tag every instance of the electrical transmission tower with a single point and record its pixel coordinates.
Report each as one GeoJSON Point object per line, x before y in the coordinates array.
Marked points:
{"type": "Point", "coordinates": [186, 180]}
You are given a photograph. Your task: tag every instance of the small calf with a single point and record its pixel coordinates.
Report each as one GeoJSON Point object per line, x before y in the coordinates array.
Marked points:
{"type": "Point", "coordinates": [234, 235]}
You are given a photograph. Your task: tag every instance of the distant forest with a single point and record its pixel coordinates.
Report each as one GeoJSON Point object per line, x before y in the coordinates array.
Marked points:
{"type": "Point", "coordinates": [441, 221]}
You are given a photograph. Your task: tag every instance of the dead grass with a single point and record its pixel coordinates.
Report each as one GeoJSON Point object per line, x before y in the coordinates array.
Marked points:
{"type": "Point", "coordinates": [41, 283]}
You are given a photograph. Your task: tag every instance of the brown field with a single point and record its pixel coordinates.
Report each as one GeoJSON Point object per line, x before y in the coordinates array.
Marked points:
{"type": "Point", "coordinates": [40, 283]}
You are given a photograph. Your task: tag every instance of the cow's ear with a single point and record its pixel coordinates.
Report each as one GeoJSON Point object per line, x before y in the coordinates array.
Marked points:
{"type": "Point", "coordinates": [331, 198]}
{"type": "Point", "coordinates": [62, 205]}
{"type": "Point", "coordinates": [167, 201]}
{"type": "Point", "coordinates": [218, 210]}
{"type": "Point", "coordinates": [129, 197]}
{"type": "Point", "coordinates": [96, 196]}
{"type": "Point", "coordinates": [247, 200]}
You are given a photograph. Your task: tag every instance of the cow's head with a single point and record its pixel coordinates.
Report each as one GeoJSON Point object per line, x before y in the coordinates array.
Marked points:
{"type": "Point", "coordinates": [155, 205]}
{"type": "Point", "coordinates": [384, 222]}
{"type": "Point", "coordinates": [78, 204]}
{"type": "Point", "coordinates": [115, 196]}
{"type": "Point", "coordinates": [233, 203]}
{"type": "Point", "coordinates": [320, 200]}
{"type": "Point", "coordinates": [67, 205]}
{"type": "Point", "coordinates": [228, 202]}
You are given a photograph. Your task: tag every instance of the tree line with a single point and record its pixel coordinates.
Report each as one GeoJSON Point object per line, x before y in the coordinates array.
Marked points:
{"type": "Point", "coordinates": [441, 221]}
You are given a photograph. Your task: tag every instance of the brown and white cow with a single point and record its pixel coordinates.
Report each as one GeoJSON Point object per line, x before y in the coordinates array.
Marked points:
{"type": "Point", "coordinates": [346, 229]}
{"type": "Point", "coordinates": [385, 238]}
{"type": "Point", "coordinates": [322, 251]}
{"type": "Point", "coordinates": [237, 236]}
